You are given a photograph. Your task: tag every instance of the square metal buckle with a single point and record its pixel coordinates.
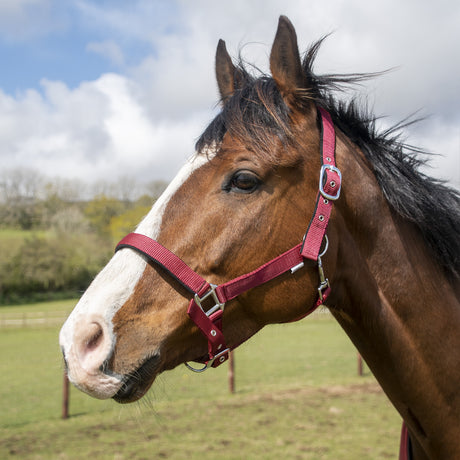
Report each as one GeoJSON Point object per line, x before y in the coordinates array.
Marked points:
{"type": "Point", "coordinates": [220, 358]}
{"type": "Point", "coordinates": [213, 294]}
{"type": "Point", "coordinates": [321, 180]}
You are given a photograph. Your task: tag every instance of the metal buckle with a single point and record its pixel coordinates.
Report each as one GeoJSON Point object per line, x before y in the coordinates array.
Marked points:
{"type": "Point", "coordinates": [321, 180]}
{"type": "Point", "coordinates": [211, 293]}
{"type": "Point", "coordinates": [220, 357]}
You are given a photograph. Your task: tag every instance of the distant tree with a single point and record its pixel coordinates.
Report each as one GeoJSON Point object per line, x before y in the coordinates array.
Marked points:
{"type": "Point", "coordinates": [20, 190]}
{"type": "Point", "coordinates": [100, 211]}
{"type": "Point", "coordinates": [51, 204]}
{"type": "Point", "coordinates": [145, 200]}
{"type": "Point", "coordinates": [68, 190]}
{"type": "Point", "coordinates": [77, 229]}
{"type": "Point", "coordinates": [125, 223]}
{"type": "Point", "coordinates": [37, 266]}
{"type": "Point", "coordinates": [69, 221]}
{"type": "Point", "coordinates": [51, 264]}
{"type": "Point", "coordinates": [156, 188]}
{"type": "Point", "coordinates": [20, 183]}
{"type": "Point", "coordinates": [126, 188]}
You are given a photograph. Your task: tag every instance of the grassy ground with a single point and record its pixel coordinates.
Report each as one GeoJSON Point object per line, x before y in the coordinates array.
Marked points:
{"type": "Point", "coordinates": [58, 306]}
{"type": "Point", "coordinates": [63, 306]}
{"type": "Point", "coordinates": [298, 397]}
{"type": "Point", "coordinates": [52, 313]}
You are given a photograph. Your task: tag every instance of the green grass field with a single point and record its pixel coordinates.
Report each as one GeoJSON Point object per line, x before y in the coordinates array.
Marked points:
{"type": "Point", "coordinates": [297, 396]}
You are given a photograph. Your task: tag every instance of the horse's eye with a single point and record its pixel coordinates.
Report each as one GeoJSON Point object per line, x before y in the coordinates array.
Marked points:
{"type": "Point", "coordinates": [243, 182]}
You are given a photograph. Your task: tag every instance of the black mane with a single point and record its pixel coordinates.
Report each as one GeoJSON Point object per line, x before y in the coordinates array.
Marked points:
{"type": "Point", "coordinates": [257, 115]}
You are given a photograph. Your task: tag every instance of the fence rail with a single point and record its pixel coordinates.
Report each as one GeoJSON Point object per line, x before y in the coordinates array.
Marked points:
{"type": "Point", "coordinates": [32, 319]}
{"type": "Point", "coordinates": [57, 318]}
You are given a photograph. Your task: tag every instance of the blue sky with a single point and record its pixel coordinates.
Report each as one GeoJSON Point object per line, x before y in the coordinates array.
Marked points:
{"type": "Point", "coordinates": [95, 89]}
{"type": "Point", "coordinates": [59, 57]}
{"type": "Point", "coordinates": [53, 40]}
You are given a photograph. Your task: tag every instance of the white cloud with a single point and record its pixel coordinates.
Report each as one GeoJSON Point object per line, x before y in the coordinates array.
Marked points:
{"type": "Point", "coordinates": [145, 121]}
{"type": "Point", "coordinates": [97, 130]}
{"type": "Point", "coordinates": [13, 9]}
{"type": "Point", "coordinates": [142, 20]}
{"type": "Point", "coordinates": [108, 49]}
{"type": "Point", "coordinates": [25, 19]}
{"type": "Point", "coordinates": [443, 139]}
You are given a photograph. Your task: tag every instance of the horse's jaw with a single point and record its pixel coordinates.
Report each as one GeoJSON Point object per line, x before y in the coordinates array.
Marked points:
{"type": "Point", "coordinates": [137, 383]}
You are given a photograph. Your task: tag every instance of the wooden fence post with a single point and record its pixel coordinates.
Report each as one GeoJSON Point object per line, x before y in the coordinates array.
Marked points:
{"type": "Point", "coordinates": [65, 397]}
{"type": "Point", "coordinates": [360, 365]}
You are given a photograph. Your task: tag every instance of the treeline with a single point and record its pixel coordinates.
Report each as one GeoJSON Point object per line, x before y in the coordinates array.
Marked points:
{"type": "Point", "coordinates": [55, 235]}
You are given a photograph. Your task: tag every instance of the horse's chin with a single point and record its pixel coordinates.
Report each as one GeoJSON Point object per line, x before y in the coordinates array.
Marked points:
{"type": "Point", "coordinates": [138, 382]}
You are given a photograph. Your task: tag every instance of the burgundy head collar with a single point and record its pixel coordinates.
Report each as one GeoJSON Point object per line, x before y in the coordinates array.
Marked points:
{"type": "Point", "coordinates": [209, 320]}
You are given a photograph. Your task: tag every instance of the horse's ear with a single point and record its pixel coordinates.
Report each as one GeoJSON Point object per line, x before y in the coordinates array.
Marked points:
{"type": "Point", "coordinates": [285, 64]}
{"type": "Point", "coordinates": [226, 73]}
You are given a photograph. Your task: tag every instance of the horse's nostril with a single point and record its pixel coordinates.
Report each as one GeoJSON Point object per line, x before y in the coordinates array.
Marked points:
{"type": "Point", "coordinates": [87, 345]}
{"type": "Point", "coordinates": [93, 343]}
{"type": "Point", "coordinates": [95, 335]}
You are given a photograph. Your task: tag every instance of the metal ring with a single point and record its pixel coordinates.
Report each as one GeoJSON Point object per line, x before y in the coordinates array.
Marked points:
{"type": "Point", "coordinates": [325, 247]}
{"type": "Point", "coordinates": [194, 369]}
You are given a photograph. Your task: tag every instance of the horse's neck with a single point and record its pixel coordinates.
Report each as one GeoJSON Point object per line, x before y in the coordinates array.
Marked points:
{"type": "Point", "coordinates": [403, 315]}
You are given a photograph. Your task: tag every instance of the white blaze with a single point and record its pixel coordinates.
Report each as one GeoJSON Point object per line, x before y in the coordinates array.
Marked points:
{"type": "Point", "coordinates": [113, 286]}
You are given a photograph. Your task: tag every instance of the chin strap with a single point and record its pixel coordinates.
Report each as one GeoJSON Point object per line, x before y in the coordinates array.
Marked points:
{"type": "Point", "coordinates": [208, 302]}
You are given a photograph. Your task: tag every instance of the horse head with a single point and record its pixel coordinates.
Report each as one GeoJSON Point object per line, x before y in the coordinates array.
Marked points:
{"type": "Point", "coordinates": [243, 199]}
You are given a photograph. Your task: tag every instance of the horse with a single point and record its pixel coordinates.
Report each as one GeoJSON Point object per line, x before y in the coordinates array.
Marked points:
{"type": "Point", "coordinates": [292, 199]}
